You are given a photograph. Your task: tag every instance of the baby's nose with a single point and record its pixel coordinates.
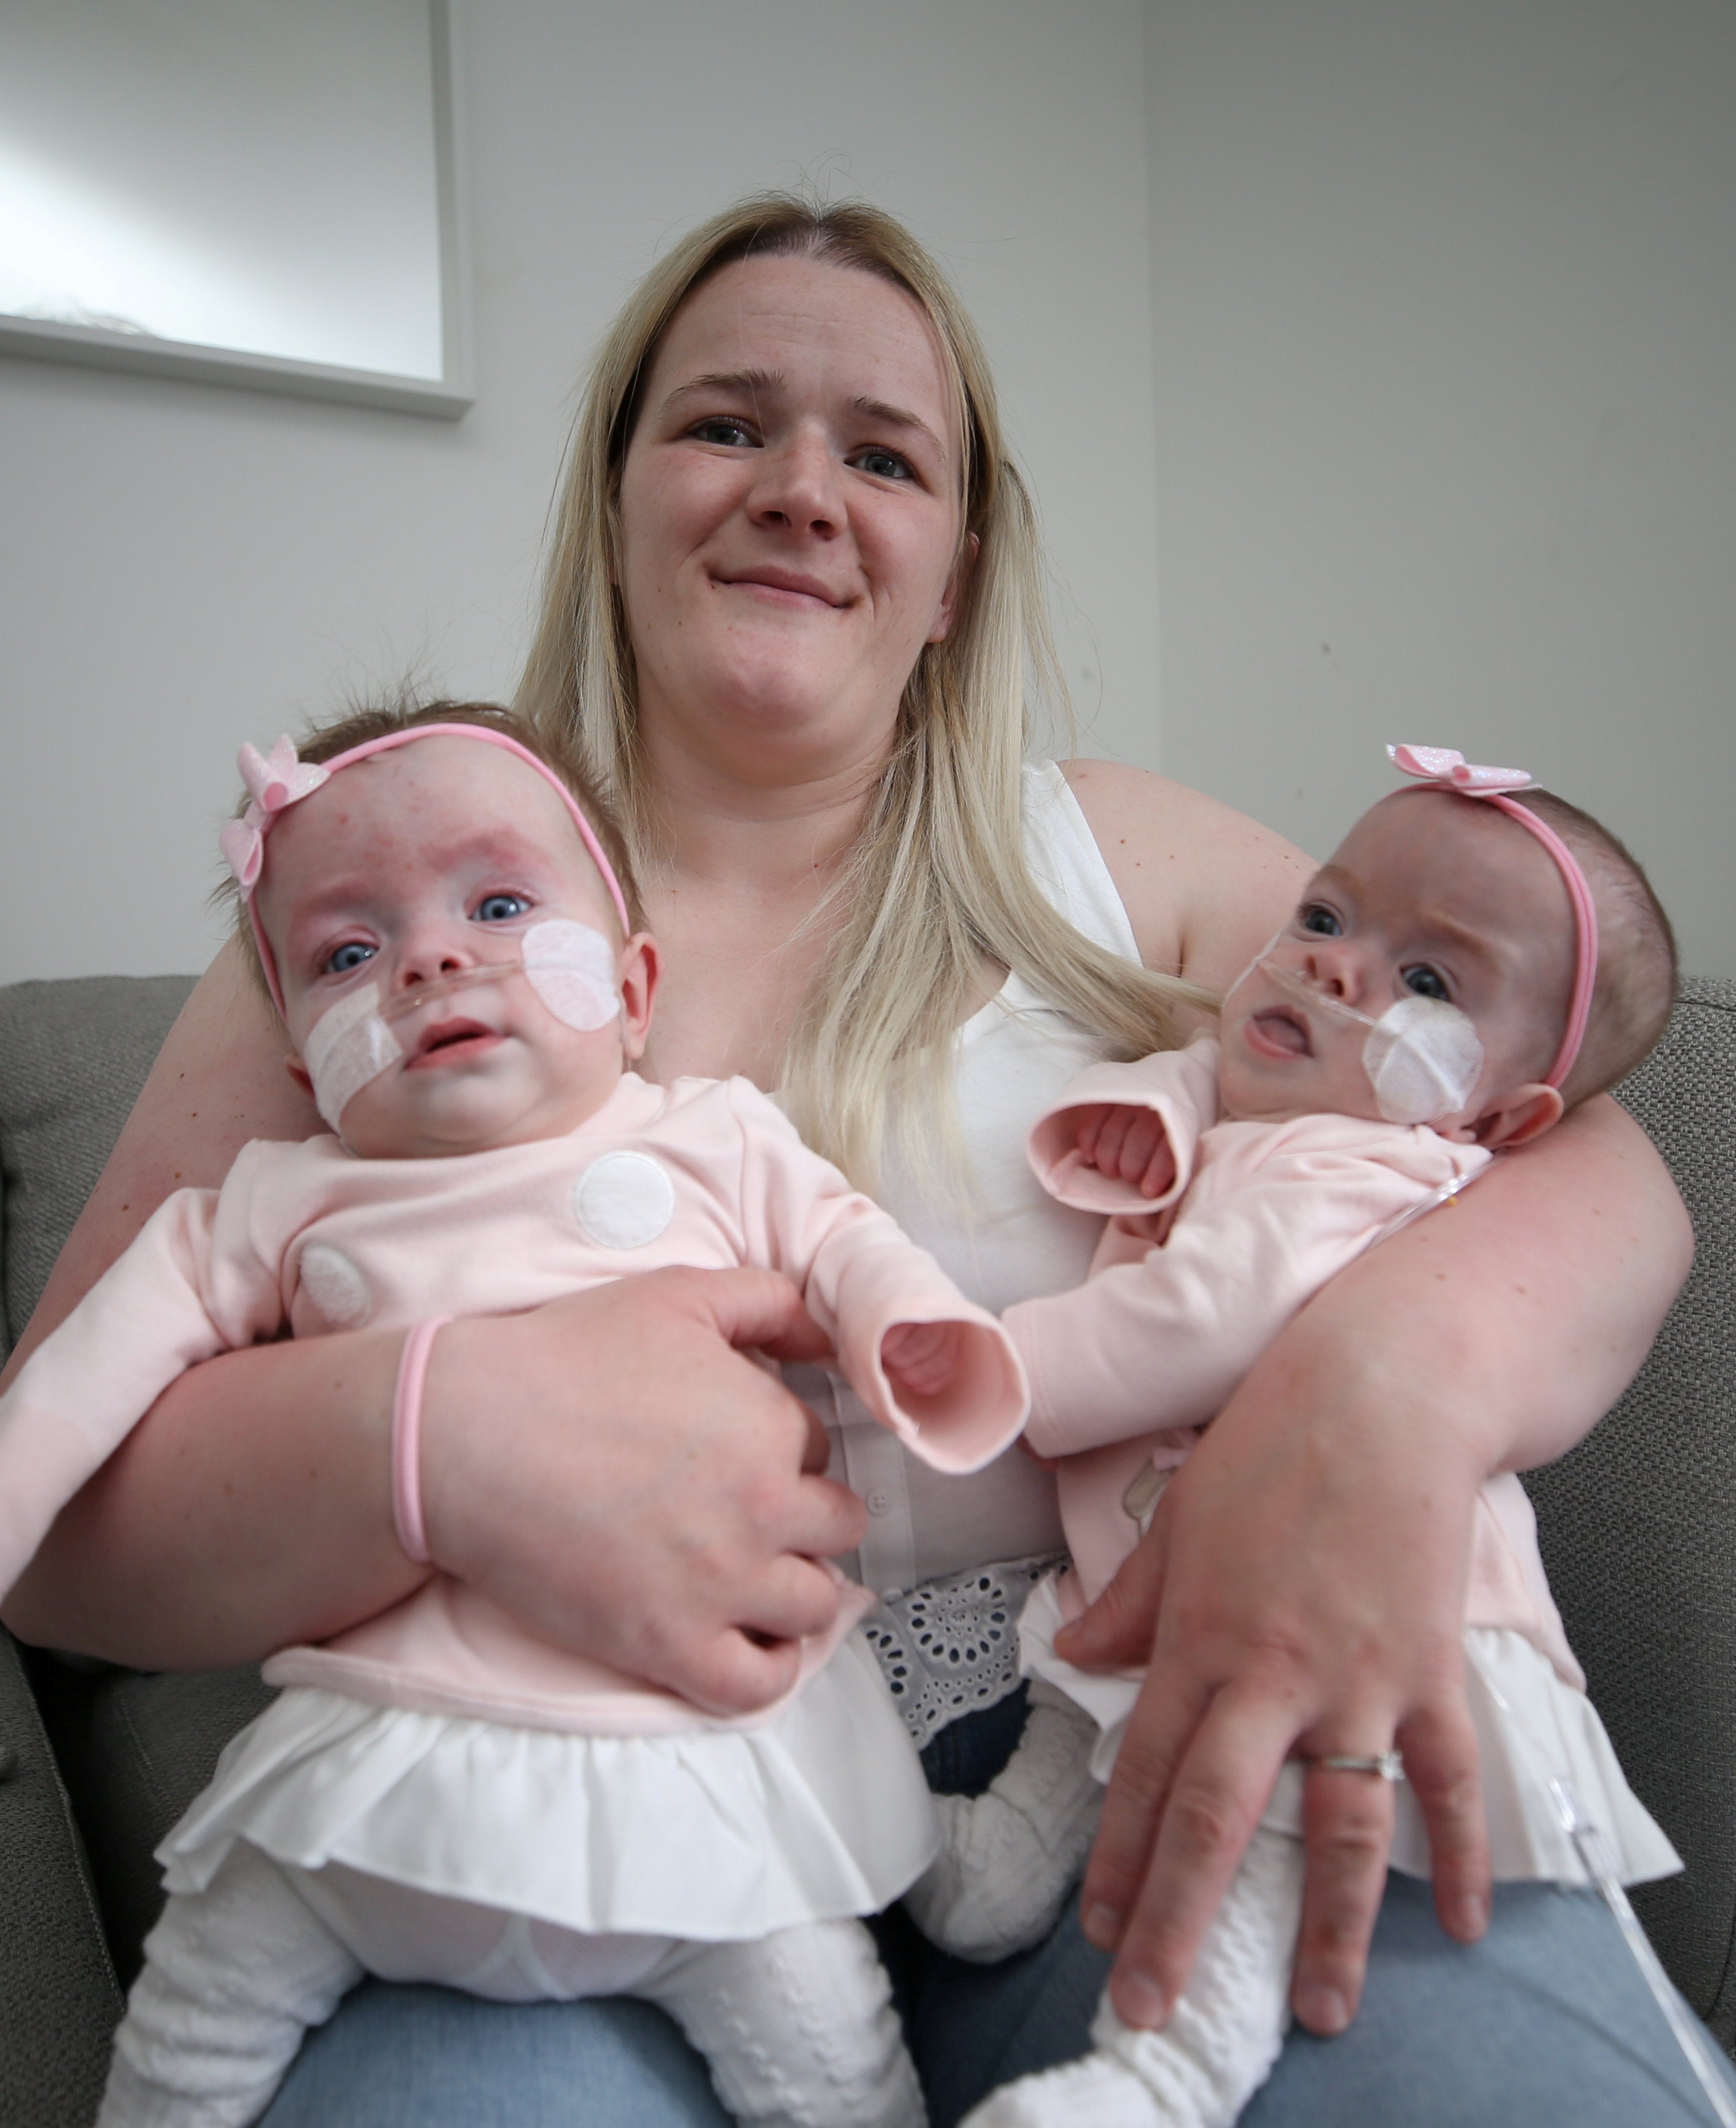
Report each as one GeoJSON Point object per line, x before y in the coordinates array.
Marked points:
{"type": "Point", "coordinates": [1337, 966]}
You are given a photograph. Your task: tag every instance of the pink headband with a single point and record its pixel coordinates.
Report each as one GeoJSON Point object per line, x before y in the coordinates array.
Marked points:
{"type": "Point", "coordinates": [278, 781]}
{"type": "Point", "coordinates": [1444, 769]}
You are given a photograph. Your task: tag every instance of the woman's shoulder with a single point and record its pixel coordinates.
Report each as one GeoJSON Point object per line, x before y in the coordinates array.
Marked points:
{"type": "Point", "coordinates": [1204, 885]}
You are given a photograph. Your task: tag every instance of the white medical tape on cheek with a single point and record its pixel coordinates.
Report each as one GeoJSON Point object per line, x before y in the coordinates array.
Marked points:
{"type": "Point", "coordinates": [571, 968]}
{"type": "Point", "coordinates": [349, 1046]}
{"type": "Point", "coordinates": [1423, 1060]}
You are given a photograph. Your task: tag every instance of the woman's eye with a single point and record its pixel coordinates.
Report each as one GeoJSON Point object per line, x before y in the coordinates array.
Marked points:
{"type": "Point", "coordinates": [500, 908]}
{"type": "Point", "coordinates": [1425, 981]}
{"type": "Point", "coordinates": [1321, 920]}
{"type": "Point", "coordinates": [884, 465]}
{"type": "Point", "coordinates": [350, 956]}
{"type": "Point", "coordinates": [723, 429]}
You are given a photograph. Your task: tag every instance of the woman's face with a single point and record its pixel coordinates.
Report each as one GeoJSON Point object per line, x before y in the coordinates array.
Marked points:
{"type": "Point", "coordinates": [790, 519]}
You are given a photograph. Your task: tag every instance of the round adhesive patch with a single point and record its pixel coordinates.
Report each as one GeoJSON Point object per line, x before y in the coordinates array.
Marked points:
{"type": "Point", "coordinates": [624, 1201]}
{"type": "Point", "coordinates": [334, 1287]}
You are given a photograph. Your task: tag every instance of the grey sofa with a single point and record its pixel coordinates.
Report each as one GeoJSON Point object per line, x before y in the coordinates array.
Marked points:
{"type": "Point", "coordinates": [96, 1763]}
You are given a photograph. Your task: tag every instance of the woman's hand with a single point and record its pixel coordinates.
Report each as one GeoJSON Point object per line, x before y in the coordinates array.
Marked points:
{"type": "Point", "coordinates": [1301, 1590]}
{"type": "Point", "coordinates": [610, 1468]}
{"type": "Point", "coordinates": [658, 1507]}
{"type": "Point", "coordinates": [1270, 1631]}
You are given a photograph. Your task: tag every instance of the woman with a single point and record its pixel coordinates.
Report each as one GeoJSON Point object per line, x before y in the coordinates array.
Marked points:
{"type": "Point", "coordinates": [792, 602]}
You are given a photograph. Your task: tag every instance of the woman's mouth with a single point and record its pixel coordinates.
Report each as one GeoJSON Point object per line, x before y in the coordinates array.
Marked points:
{"type": "Point", "coordinates": [788, 587]}
{"type": "Point", "coordinates": [1279, 1032]}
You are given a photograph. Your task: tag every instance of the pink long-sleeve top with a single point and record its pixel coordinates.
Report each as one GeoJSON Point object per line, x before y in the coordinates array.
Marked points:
{"type": "Point", "coordinates": [1186, 1290]}
{"type": "Point", "coordinates": [704, 1173]}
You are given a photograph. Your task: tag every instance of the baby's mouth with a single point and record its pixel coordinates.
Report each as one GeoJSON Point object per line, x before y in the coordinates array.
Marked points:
{"type": "Point", "coordinates": [1282, 1031]}
{"type": "Point", "coordinates": [448, 1035]}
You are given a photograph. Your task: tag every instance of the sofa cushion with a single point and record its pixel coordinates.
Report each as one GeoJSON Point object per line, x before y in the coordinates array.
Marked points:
{"type": "Point", "coordinates": [1639, 1524]}
{"type": "Point", "coordinates": [73, 1056]}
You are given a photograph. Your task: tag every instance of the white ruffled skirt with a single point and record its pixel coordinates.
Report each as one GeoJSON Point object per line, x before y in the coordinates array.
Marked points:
{"type": "Point", "coordinates": [709, 1834]}
{"type": "Point", "coordinates": [1531, 1727]}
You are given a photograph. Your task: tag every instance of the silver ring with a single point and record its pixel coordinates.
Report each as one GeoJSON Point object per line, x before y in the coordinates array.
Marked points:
{"type": "Point", "coordinates": [1387, 1766]}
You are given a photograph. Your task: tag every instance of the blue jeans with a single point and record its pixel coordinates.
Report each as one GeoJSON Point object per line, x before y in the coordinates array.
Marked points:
{"type": "Point", "coordinates": [1547, 2022]}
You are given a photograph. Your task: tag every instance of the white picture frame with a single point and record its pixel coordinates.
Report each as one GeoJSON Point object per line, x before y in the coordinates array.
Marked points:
{"type": "Point", "coordinates": [445, 395]}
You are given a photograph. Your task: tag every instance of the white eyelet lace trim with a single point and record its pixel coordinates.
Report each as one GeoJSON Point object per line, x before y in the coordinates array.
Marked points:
{"type": "Point", "coordinates": [952, 1646]}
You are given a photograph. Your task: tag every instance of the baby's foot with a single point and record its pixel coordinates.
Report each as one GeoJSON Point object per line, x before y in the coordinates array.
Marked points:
{"type": "Point", "coordinates": [1096, 2092]}
{"type": "Point", "coordinates": [1009, 1857]}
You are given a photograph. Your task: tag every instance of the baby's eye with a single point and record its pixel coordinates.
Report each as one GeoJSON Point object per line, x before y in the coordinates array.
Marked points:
{"type": "Point", "coordinates": [500, 908]}
{"type": "Point", "coordinates": [1425, 981]}
{"type": "Point", "coordinates": [350, 956]}
{"type": "Point", "coordinates": [885, 465]}
{"type": "Point", "coordinates": [1316, 917]}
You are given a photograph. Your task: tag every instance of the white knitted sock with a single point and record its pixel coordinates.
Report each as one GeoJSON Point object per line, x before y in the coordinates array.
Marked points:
{"type": "Point", "coordinates": [1219, 2045]}
{"type": "Point", "coordinates": [1009, 1857]}
{"type": "Point", "coordinates": [234, 1976]}
{"type": "Point", "coordinates": [798, 2028]}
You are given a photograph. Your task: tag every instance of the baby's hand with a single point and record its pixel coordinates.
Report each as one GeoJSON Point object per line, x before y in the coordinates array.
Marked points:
{"type": "Point", "coordinates": [920, 1358]}
{"type": "Point", "coordinates": [1128, 1145]}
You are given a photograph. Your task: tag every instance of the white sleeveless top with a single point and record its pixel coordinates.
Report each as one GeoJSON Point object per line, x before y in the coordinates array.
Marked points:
{"type": "Point", "coordinates": [951, 1648]}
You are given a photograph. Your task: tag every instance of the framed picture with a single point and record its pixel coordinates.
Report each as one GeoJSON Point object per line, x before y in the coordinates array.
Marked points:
{"type": "Point", "coordinates": [255, 192]}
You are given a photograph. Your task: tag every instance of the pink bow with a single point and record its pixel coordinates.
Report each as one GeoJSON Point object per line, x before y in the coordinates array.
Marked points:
{"type": "Point", "coordinates": [276, 779]}
{"type": "Point", "coordinates": [1446, 764]}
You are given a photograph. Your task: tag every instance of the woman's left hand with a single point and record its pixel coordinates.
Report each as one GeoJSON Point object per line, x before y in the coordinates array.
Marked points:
{"type": "Point", "coordinates": [1302, 1589]}
{"type": "Point", "coordinates": [1300, 1592]}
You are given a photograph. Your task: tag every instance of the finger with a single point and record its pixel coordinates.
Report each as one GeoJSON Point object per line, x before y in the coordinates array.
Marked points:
{"type": "Point", "coordinates": [1216, 1795]}
{"type": "Point", "coordinates": [1441, 1763]}
{"type": "Point", "coordinates": [1087, 1129]}
{"type": "Point", "coordinates": [1116, 1632]}
{"type": "Point", "coordinates": [1110, 1138]}
{"type": "Point", "coordinates": [1159, 1170]}
{"type": "Point", "coordinates": [1348, 1822]}
{"type": "Point", "coordinates": [817, 1446]}
{"type": "Point", "coordinates": [1164, 1715]}
{"type": "Point", "coordinates": [758, 1309]}
{"type": "Point", "coordinates": [1145, 1133]}
{"type": "Point", "coordinates": [735, 1674]}
{"type": "Point", "coordinates": [828, 1519]}
{"type": "Point", "coordinates": [792, 1599]}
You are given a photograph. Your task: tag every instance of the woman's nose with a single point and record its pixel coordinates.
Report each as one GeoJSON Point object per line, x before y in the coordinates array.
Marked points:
{"type": "Point", "coordinates": [798, 487]}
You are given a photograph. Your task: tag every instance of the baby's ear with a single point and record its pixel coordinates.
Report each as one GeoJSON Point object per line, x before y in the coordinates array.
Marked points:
{"type": "Point", "coordinates": [1516, 1118]}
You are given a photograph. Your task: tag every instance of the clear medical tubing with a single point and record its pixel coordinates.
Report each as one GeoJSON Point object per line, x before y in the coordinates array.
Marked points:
{"type": "Point", "coordinates": [1591, 1845]}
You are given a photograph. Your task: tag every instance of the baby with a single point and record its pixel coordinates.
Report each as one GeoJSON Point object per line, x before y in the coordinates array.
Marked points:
{"type": "Point", "coordinates": [1477, 959]}
{"type": "Point", "coordinates": [436, 1795]}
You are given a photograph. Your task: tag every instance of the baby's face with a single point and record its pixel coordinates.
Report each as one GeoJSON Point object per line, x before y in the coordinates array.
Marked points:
{"type": "Point", "coordinates": [414, 874]}
{"type": "Point", "coordinates": [1431, 897]}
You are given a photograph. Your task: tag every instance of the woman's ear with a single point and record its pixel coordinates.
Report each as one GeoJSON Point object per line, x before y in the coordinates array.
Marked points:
{"type": "Point", "coordinates": [955, 584]}
{"type": "Point", "coordinates": [1516, 1118]}
{"type": "Point", "coordinates": [640, 968]}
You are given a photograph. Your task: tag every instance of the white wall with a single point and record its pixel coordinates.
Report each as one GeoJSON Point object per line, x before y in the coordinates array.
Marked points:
{"type": "Point", "coordinates": [184, 566]}
{"type": "Point", "coordinates": [1446, 385]}
{"type": "Point", "coordinates": [1444, 305]}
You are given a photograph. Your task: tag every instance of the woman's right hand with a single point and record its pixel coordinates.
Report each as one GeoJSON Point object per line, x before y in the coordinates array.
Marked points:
{"type": "Point", "coordinates": [648, 1496]}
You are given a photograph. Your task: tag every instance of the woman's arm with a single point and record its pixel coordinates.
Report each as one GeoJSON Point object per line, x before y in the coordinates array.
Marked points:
{"type": "Point", "coordinates": [655, 1509]}
{"type": "Point", "coordinates": [1302, 1589]}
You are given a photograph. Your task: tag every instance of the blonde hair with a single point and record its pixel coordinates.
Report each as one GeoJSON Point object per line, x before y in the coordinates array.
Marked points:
{"type": "Point", "coordinates": [938, 879]}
